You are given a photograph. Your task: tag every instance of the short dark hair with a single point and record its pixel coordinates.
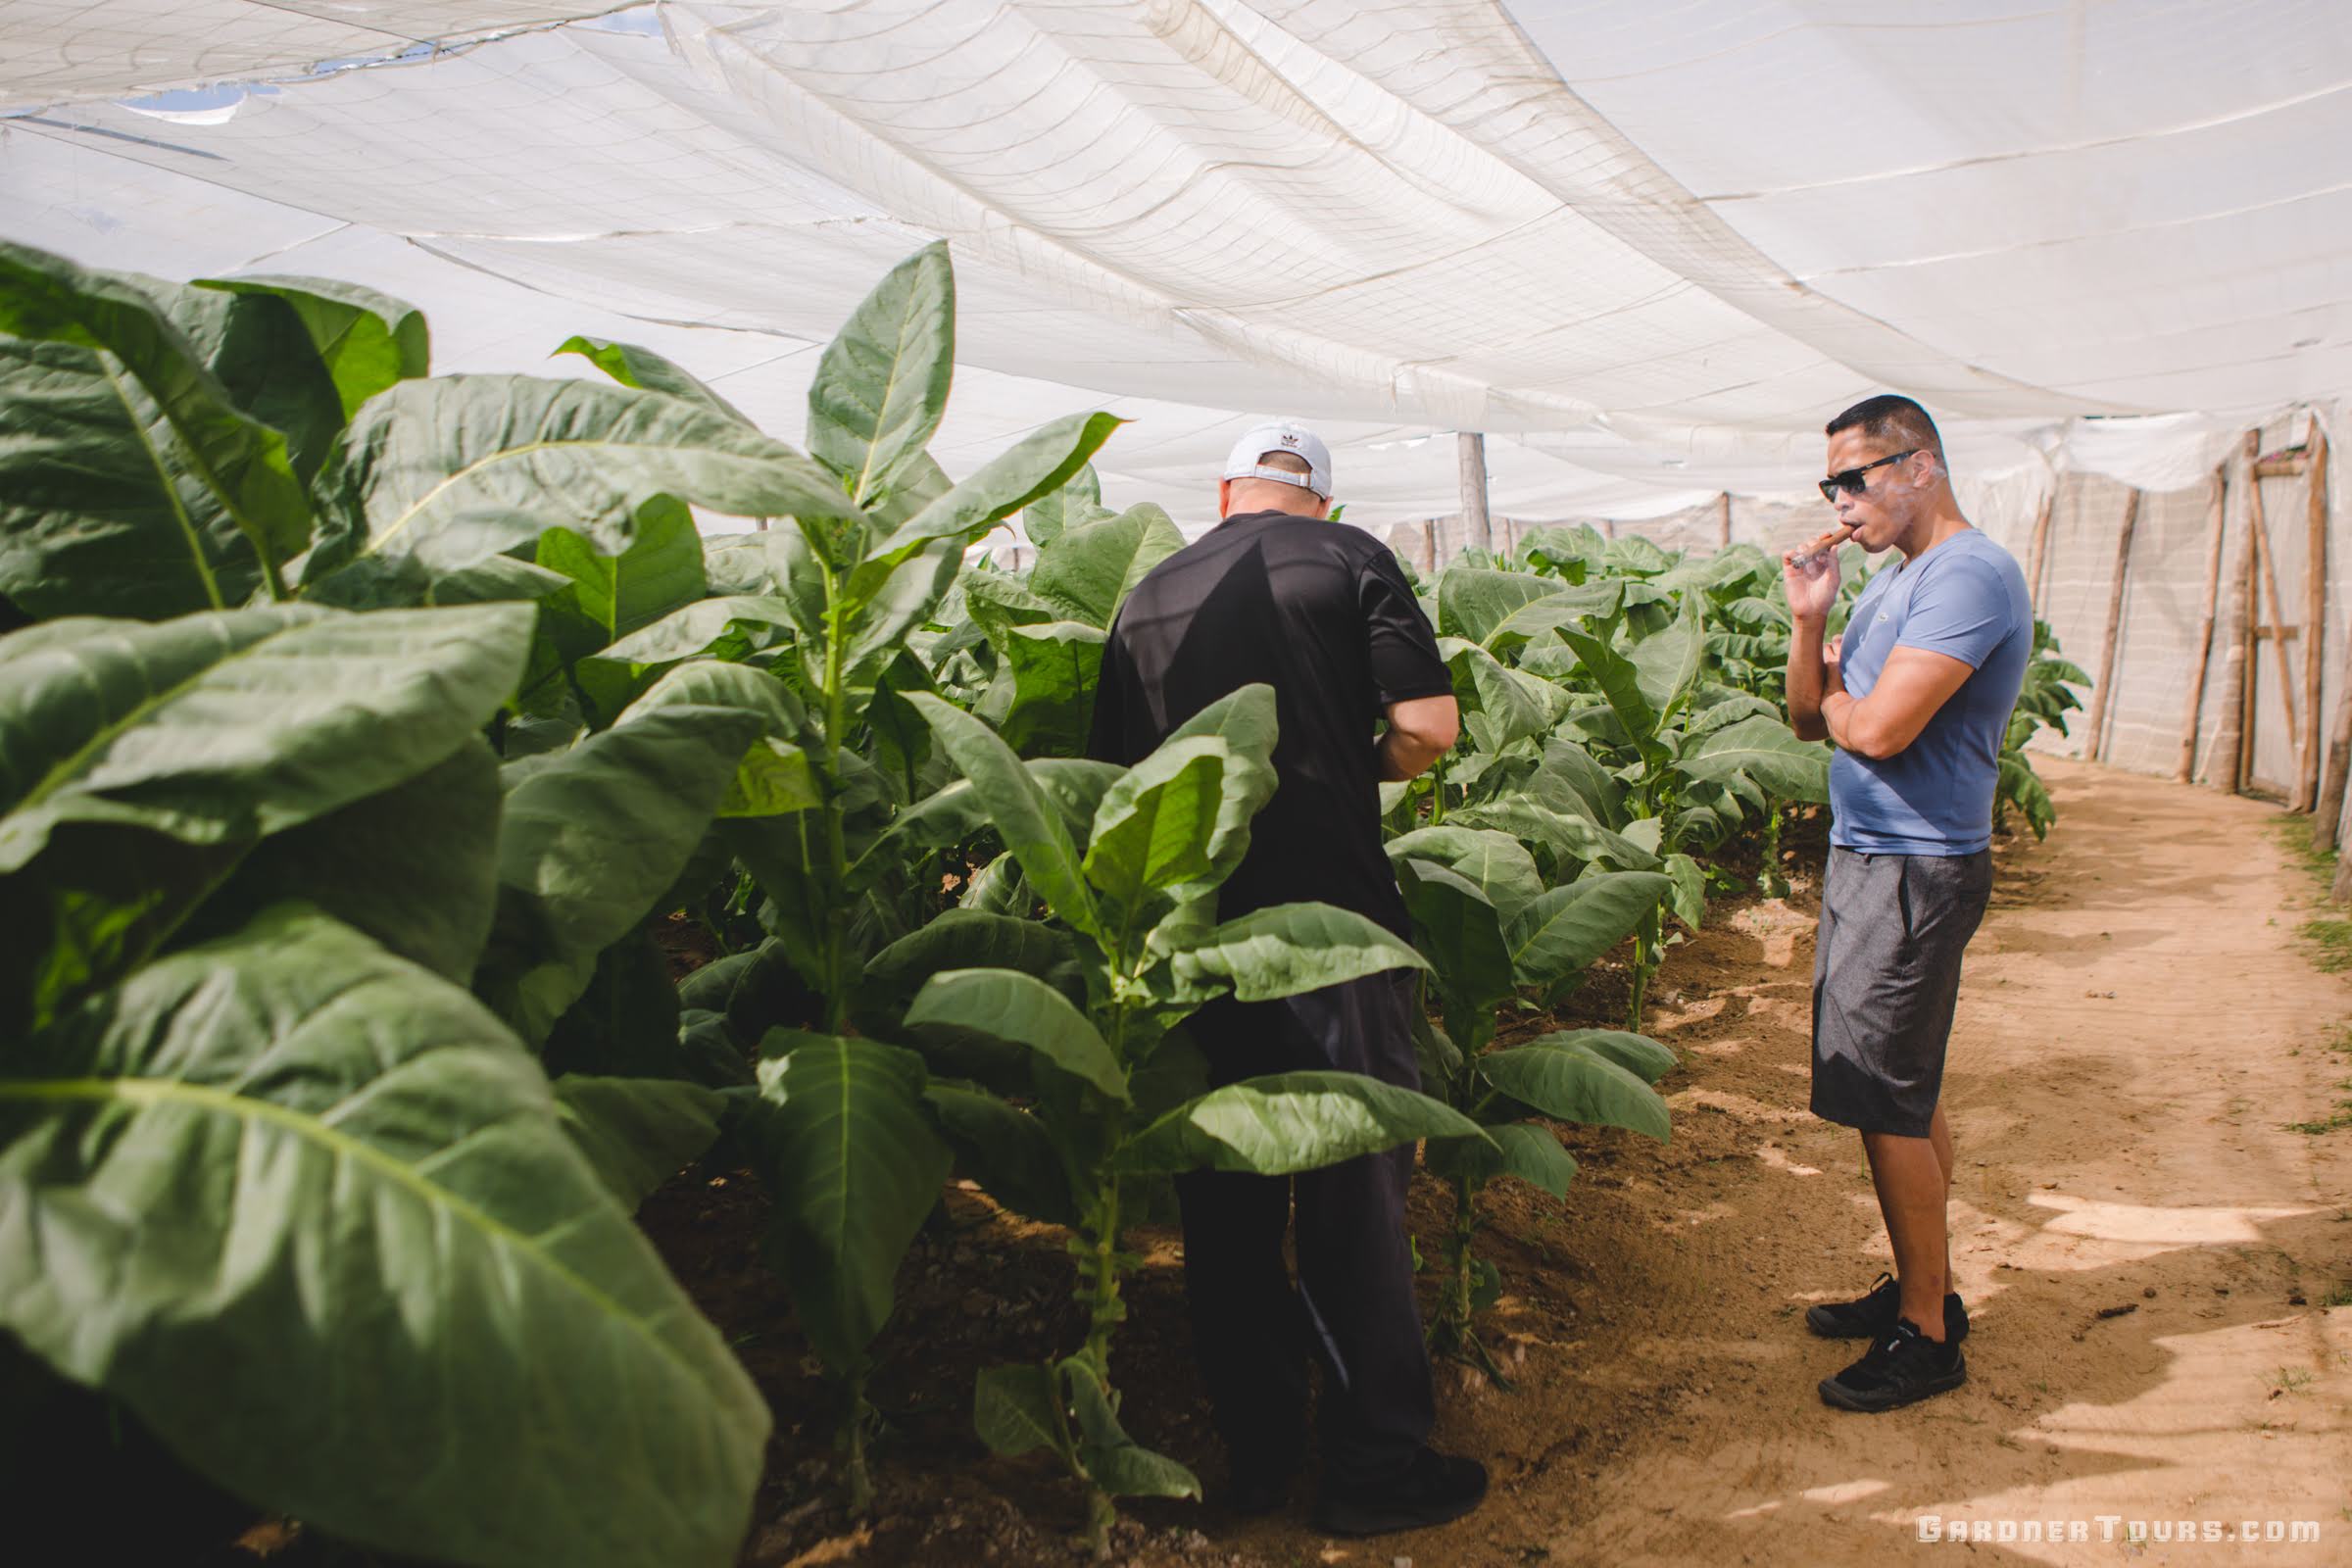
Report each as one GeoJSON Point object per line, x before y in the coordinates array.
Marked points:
{"type": "Point", "coordinates": [1287, 462]}
{"type": "Point", "coordinates": [1896, 421]}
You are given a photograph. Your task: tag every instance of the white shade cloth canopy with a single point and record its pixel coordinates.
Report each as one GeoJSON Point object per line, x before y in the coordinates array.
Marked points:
{"type": "Point", "coordinates": [1647, 248]}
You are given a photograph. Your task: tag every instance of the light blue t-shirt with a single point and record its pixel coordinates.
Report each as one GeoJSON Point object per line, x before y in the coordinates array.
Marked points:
{"type": "Point", "coordinates": [1966, 597]}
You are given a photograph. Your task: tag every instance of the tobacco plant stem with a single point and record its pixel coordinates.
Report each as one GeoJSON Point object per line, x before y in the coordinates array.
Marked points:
{"type": "Point", "coordinates": [837, 853]}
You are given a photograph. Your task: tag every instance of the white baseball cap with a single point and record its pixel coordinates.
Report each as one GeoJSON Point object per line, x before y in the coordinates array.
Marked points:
{"type": "Point", "coordinates": [1281, 435]}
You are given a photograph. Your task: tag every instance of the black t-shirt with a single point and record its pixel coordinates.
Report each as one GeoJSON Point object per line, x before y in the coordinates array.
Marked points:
{"type": "Point", "coordinates": [1321, 612]}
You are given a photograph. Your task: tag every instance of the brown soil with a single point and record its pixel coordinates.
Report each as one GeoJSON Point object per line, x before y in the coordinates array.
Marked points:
{"type": "Point", "coordinates": [2150, 1256]}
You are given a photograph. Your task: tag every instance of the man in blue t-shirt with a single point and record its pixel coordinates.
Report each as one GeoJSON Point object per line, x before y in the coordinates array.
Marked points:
{"type": "Point", "coordinates": [1916, 695]}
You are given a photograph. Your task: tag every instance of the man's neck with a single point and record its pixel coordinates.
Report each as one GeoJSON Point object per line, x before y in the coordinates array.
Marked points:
{"type": "Point", "coordinates": [1930, 530]}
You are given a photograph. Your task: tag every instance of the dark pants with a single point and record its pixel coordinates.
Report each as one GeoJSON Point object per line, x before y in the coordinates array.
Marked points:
{"type": "Point", "coordinates": [1353, 1308]}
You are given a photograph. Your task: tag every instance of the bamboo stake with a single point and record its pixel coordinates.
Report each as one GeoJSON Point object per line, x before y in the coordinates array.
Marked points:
{"type": "Point", "coordinates": [2277, 627]}
{"type": "Point", "coordinates": [2204, 655]}
{"type": "Point", "coordinates": [2315, 614]}
{"type": "Point", "coordinates": [2114, 623]}
{"type": "Point", "coordinates": [2038, 551]}
{"type": "Point", "coordinates": [1471, 450]}
{"type": "Point", "coordinates": [2229, 737]}
{"type": "Point", "coordinates": [1722, 520]}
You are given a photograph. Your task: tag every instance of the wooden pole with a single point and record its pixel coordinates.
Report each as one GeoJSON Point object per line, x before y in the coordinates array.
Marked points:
{"type": "Point", "coordinates": [2277, 627]}
{"type": "Point", "coordinates": [1428, 546]}
{"type": "Point", "coordinates": [2315, 614]}
{"type": "Point", "coordinates": [2115, 625]}
{"type": "Point", "coordinates": [2038, 551]}
{"type": "Point", "coordinates": [1722, 520]}
{"type": "Point", "coordinates": [1472, 449]}
{"type": "Point", "coordinates": [2330, 808]}
{"type": "Point", "coordinates": [1608, 530]}
{"type": "Point", "coordinates": [2230, 736]}
{"type": "Point", "coordinates": [2213, 592]}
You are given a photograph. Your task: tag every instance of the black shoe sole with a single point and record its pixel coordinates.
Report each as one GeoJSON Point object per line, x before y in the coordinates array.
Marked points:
{"type": "Point", "coordinates": [1371, 1519]}
{"type": "Point", "coordinates": [1836, 1393]}
{"type": "Point", "coordinates": [1821, 1319]}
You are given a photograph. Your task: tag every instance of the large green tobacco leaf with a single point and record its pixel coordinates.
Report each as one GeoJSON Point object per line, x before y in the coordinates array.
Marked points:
{"type": "Point", "coordinates": [648, 371]}
{"type": "Point", "coordinates": [660, 571]}
{"type": "Point", "coordinates": [964, 939]}
{"type": "Point", "coordinates": [1493, 863]}
{"type": "Point", "coordinates": [1763, 750]}
{"type": "Point", "coordinates": [1620, 681]}
{"type": "Point", "coordinates": [1023, 814]}
{"type": "Point", "coordinates": [1571, 780]}
{"type": "Point", "coordinates": [727, 628]}
{"type": "Point", "coordinates": [437, 474]}
{"type": "Point", "coordinates": [1041, 463]}
{"type": "Point", "coordinates": [365, 340]}
{"type": "Point", "coordinates": [1530, 1153]}
{"type": "Point", "coordinates": [1460, 931]}
{"type": "Point", "coordinates": [958, 811]}
{"type": "Point", "coordinates": [1577, 1086]}
{"type": "Point", "coordinates": [853, 1164]}
{"type": "Point", "coordinates": [1538, 618]}
{"type": "Point", "coordinates": [1016, 1409]}
{"type": "Point", "coordinates": [1009, 1151]}
{"type": "Point", "coordinates": [1114, 1462]}
{"type": "Point", "coordinates": [309, 1211]}
{"type": "Point", "coordinates": [414, 866]}
{"type": "Point", "coordinates": [1289, 948]}
{"type": "Point", "coordinates": [1047, 684]}
{"type": "Point", "coordinates": [1015, 1013]}
{"type": "Point", "coordinates": [1288, 1122]}
{"type": "Point", "coordinates": [1245, 721]}
{"type": "Point", "coordinates": [880, 613]}
{"type": "Point", "coordinates": [1088, 573]}
{"type": "Point", "coordinates": [227, 726]}
{"type": "Point", "coordinates": [1473, 602]}
{"type": "Point", "coordinates": [1569, 927]}
{"type": "Point", "coordinates": [256, 346]}
{"type": "Point", "coordinates": [594, 835]}
{"type": "Point", "coordinates": [1500, 704]}
{"type": "Point", "coordinates": [240, 460]}
{"type": "Point", "coordinates": [1153, 829]}
{"type": "Point", "coordinates": [103, 511]}
{"type": "Point", "coordinates": [637, 1133]}
{"type": "Point", "coordinates": [1078, 502]}
{"type": "Point", "coordinates": [1638, 1055]}
{"type": "Point", "coordinates": [1667, 662]}
{"type": "Point", "coordinates": [881, 384]}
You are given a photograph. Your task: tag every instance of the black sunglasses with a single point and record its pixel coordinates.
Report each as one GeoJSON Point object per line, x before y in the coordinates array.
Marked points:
{"type": "Point", "coordinates": [1851, 482]}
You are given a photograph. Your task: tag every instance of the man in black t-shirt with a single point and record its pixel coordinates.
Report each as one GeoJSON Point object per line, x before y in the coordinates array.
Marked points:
{"type": "Point", "coordinates": [1321, 612]}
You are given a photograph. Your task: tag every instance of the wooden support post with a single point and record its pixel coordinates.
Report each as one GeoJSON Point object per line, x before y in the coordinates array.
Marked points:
{"type": "Point", "coordinates": [2330, 808]}
{"type": "Point", "coordinates": [2278, 628]}
{"type": "Point", "coordinates": [2097, 742]}
{"type": "Point", "coordinates": [2315, 614]}
{"type": "Point", "coordinates": [1722, 520]}
{"type": "Point", "coordinates": [1428, 546]}
{"type": "Point", "coordinates": [2038, 551]}
{"type": "Point", "coordinates": [1472, 449]}
{"type": "Point", "coordinates": [2204, 646]}
{"type": "Point", "coordinates": [2287, 464]}
{"type": "Point", "coordinates": [1608, 530]}
{"type": "Point", "coordinates": [2233, 733]}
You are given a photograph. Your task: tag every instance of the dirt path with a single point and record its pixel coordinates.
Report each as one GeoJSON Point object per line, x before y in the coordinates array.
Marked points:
{"type": "Point", "coordinates": [2138, 1023]}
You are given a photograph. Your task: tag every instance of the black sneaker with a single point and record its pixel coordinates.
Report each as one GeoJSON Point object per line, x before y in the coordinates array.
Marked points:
{"type": "Point", "coordinates": [1435, 1488]}
{"type": "Point", "coordinates": [1866, 1317]}
{"type": "Point", "coordinates": [1252, 1494]}
{"type": "Point", "coordinates": [1900, 1368]}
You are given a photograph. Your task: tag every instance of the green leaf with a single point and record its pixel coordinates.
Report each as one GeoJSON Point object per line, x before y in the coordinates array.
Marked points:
{"type": "Point", "coordinates": [1538, 618]}
{"type": "Point", "coordinates": [1288, 1122]}
{"type": "Point", "coordinates": [1472, 603]}
{"type": "Point", "coordinates": [1492, 862]}
{"type": "Point", "coordinates": [1077, 503]}
{"type": "Point", "coordinates": [1638, 1055]}
{"type": "Point", "coordinates": [1016, 1409]}
{"type": "Point", "coordinates": [1154, 827]}
{"type": "Point", "coordinates": [1031, 827]}
{"type": "Point", "coordinates": [219, 727]}
{"type": "Point", "coordinates": [103, 511]}
{"type": "Point", "coordinates": [626, 1021]}
{"type": "Point", "coordinates": [1576, 1086]}
{"type": "Point", "coordinates": [660, 571]}
{"type": "Point", "coordinates": [1088, 573]}
{"type": "Point", "coordinates": [725, 628]}
{"type": "Point", "coordinates": [1460, 931]}
{"type": "Point", "coordinates": [1638, 557]}
{"type": "Point", "coordinates": [365, 340]}
{"type": "Point", "coordinates": [1562, 833]}
{"type": "Point", "coordinates": [1571, 780]}
{"type": "Point", "coordinates": [1500, 704]}
{"type": "Point", "coordinates": [1009, 1151]}
{"type": "Point", "coordinates": [1763, 750]}
{"type": "Point", "coordinates": [1113, 1461]}
{"type": "Point", "coordinates": [958, 811]}
{"type": "Point", "coordinates": [1530, 1153]}
{"type": "Point", "coordinates": [1053, 671]}
{"type": "Point", "coordinates": [1689, 896]}
{"type": "Point", "coordinates": [240, 460]}
{"type": "Point", "coordinates": [1040, 463]}
{"type": "Point", "coordinates": [648, 371]}
{"type": "Point", "coordinates": [637, 1133]}
{"type": "Point", "coordinates": [437, 474]}
{"type": "Point", "coordinates": [1620, 682]}
{"type": "Point", "coordinates": [1289, 948]}
{"type": "Point", "coordinates": [256, 347]}
{"type": "Point", "coordinates": [1666, 663]}
{"type": "Point", "coordinates": [1020, 1011]}
{"type": "Point", "coordinates": [1569, 927]}
{"type": "Point", "coordinates": [296, 1202]}
{"type": "Point", "coordinates": [882, 384]}
{"type": "Point", "coordinates": [853, 1164]}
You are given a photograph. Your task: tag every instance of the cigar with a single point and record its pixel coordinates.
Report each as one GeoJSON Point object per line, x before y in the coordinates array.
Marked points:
{"type": "Point", "coordinates": [1813, 553]}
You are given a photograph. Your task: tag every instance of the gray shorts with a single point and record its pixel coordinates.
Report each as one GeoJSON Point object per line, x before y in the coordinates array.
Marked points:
{"type": "Point", "coordinates": [1886, 977]}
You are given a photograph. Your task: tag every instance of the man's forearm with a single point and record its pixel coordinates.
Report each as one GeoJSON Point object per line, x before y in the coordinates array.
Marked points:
{"type": "Point", "coordinates": [1401, 758]}
{"type": "Point", "coordinates": [1807, 683]}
